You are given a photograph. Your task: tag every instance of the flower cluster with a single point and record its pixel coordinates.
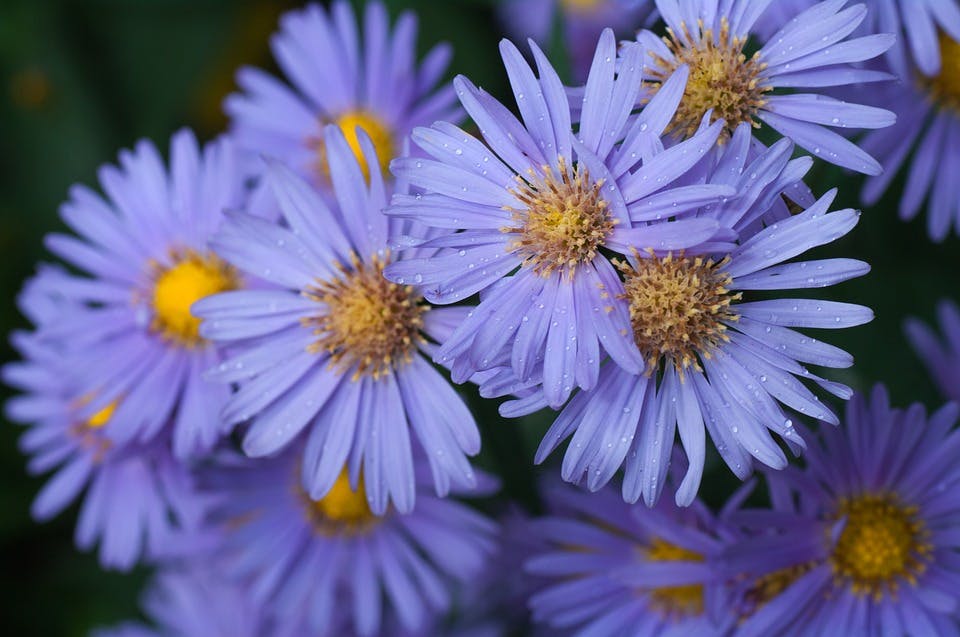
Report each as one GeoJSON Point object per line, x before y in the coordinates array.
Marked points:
{"type": "Point", "coordinates": [250, 362]}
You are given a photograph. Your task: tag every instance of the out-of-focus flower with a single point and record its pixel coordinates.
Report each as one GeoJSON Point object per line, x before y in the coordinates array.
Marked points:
{"type": "Point", "coordinates": [810, 51]}
{"type": "Point", "coordinates": [130, 327]}
{"type": "Point", "coordinates": [582, 21]}
{"type": "Point", "coordinates": [941, 356]}
{"type": "Point", "coordinates": [527, 217]}
{"type": "Point", "coordinates": [863, 540]}
{"type": "Point", "coordinates": [371, 83]}
{"type": "Point", "coordinates": [333, 347]}
{"type": "Point", "coordinates": [310, 562]}
{"type": "Point", "coordinates": [610, 568]}
{"type": "Point", "coordinates": [714, 361]}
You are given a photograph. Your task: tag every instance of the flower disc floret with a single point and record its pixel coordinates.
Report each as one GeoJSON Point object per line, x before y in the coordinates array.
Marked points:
{"type": "Point", "coordinates": [945, 86]}
{"type": "Point", "coordinates": [343, 510]}
{"type": "Point", "coordinates": [380, 135]}
{"type": "Point", "coordinates": [672, 601]}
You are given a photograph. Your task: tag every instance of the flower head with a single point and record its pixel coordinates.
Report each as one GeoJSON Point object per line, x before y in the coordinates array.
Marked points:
{"type": "Point", "coordinates": [869, 528]}
{"type": "Point", "coordinates": [528, 217]}
{"type": "Point", "coordinates": [329, 346]}
{"type": "Point", "coordinates": [809, 51]}
{"type": "Point", "coordinates": [373, 84]}
{"type": "Point", "coordinates": [144, 252]}
{"type": "Point", "coordinates": [716, 360]}
{"type": "Point", "coordinates": [311, 562]}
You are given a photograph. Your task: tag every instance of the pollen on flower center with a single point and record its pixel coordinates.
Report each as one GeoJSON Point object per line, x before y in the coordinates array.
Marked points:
{"type": "Point", "coordinates": [678, 306]}
{"type": "Point", "coordinates": [945, 87]}
{"type": "Point", "coordinates": [675, 601]}
{"type": "Point", "coordinates": [883, 541]}
{"type": "Point", "coordinates": [770, 586]}
{"type": "Point", "coordinates": [341, 510]}
{"type": "Point", "coordinates": [565, 220]}
{"type": "Point", "coordinates": [369, 323]}
{"type": "Point", "coordinates": [192, 277]}
{"type": "Point", "coordinates": [721, 78]}
{"type": "Point", "coordinates": [380, 134]}
{"type": "Point", "coordinates": [88, 431]}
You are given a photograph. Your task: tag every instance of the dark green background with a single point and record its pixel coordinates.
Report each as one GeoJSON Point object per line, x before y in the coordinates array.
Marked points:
{"type": "Point", "coordinates": [80, 80]}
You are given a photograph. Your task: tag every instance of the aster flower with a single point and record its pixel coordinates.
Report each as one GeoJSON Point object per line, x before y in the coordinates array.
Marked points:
{"type": "Point", "coordinates": [309, 561]}
{"type": "Point", "coordinates": [371, 83]}
{"type": "Point", "coordinates": [715, 361]}
{"type": "Point", "coordinates": [144, 249]}
{"type": "Point", "coordinates": [810, 51]}
{"type": "Point", "coordinates": [613, 569]}
{"type": "Point", "coordinates": [863, 541]}
{"type": "Point", "coordinates": [526, 217]}
{"type": "Point", "coordinates": [928, 133]}
{"type": "Point", "coordinates": [139, 500]}
{"type": "Point", "coordinates": [942, 357]}
{"type": "Point", "coordinates": [581, 21]}
{"type": "Point", "coordinates": [332, 347]}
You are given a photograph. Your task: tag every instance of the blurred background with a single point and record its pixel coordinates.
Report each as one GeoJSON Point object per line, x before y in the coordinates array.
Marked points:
{"type": "Point", "coordinates": [80, 80]}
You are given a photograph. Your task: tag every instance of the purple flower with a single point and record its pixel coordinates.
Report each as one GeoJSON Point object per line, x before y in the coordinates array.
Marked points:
{"type": "Point", "coordinates": [863, 540]}
{"type": "Point", "coordinates": [581, 20]}
{"type": "Point", "coordinates": [140, 502]}
{"type": "Point", "coordinates": [144, 249]}
{"type": "Point", "coordinates": [716, 361]}
{"type": "Point", "coordinates": [331, 346]}
{"type": "Point", "coordinates": [614, 569]}
{"type": "Point", "coordinates": [310, 562]}
{"type": "Point", "coordinates": [942, 357]}
{"type": "Point", "coordinates": [371, 83]}
{"type": "Point", "coordinates": [526, 217]}
{"type": "Point", "coordinates": [810, 51]}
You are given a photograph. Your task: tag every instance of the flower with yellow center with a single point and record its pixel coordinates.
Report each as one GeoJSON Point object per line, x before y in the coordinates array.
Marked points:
{"type": "Point", "coordinates": [678, 306]}
{"type": "Point", "coordinates": [883, 544]}
{"type": "Point", "coordinates": [674, 601]}
{"type": "Point", "coordinates": [944, 87]}
{"type": "Point", "coordinates": [176, 288]}
{"type": "Point", "coordinates": [369, 324]}
{"type": "Point", "coordinates": [342, 510]}
{"type": "Point", "coordinates": [380, 135]}
{"type": "Point", "coordinates": [565, 221]}
{"type": "Point", "coordinates": [721, 78]}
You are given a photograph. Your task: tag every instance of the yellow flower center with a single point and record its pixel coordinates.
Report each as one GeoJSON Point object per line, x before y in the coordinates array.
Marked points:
{"type": "Point", "coordinates": [678, 306]}
{"type": "Point", "coordinates": [565, 220]}
{"type": "Point", "coordinates": [883, 542]}
{"type": "Point", "coordinates": [379, 133]}
{"type": "Point", "coordinates": [675, 601]}
{"type": "Point", "coordinates": [945, 87]}
{"type": "Point", "coordinates": [192, 277]}
{"type": "Point", "coordinates": [341, 510]}
{"type": "Point", "coordinates": [721, 78]}
{"type": "Point", "coordinates": [580, 6]}
{"type": "Point", "coordinates": [369, 323]}
{"type": "Point", "coordinates": [769, 586]}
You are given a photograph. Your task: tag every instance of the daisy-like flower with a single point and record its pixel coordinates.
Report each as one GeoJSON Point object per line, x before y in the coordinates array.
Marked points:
{"type": "Point", "coordinates": [139, 500]}
{"type": "Point", "coordinates": [927, 132]}
{"type": "Point", "coordinates": [941, 356]}
{"type": "Point", "coordinates": [809, 52]}
{"type": "Point", "coordinates": [527, 216]}
{"type": "Point", "coordinates": [581, 21]}
{"type": "Point", "coordinates": [310, 561]}
{"type": "Point", "coordinates": [145, 251]}
{"type": "Point", "coordinates": [371, 83]}
{"type": "Point", "coordinates": [332, 346]}
{"type": "Point", "coordinates": [618, 570]}
{"type": "Point", "coordinates": [863, 541]}
{"type": "Point", "coordinates": [716, 360]}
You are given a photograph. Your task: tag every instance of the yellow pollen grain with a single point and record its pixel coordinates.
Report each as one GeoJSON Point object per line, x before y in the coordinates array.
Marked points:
{"type": "Point", "coordinates": [87, 431]}
{"type": "Point", "coordinates": [564, 221]}
{"type": "Point", "coordinates": [342, 509]}
{"type": "Point", "coordinates": [883, 543]}
{"type": "Point", "coordinates": [674, 601]}
{"type": "Point", "coordinates": [369, 324]}
{"type": "Point", "coordinates": [721, 78]}
{"type": "Point", "coordinates": [192, 276]}
{"type": "Point", "coordinates": [678, 306]}
{"type": "Point", "coordinates": [102, 417]}
{"type": "Point", "coordinates": [945, 87]}
{"type": "Point", "coordinates": [380, 135]}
